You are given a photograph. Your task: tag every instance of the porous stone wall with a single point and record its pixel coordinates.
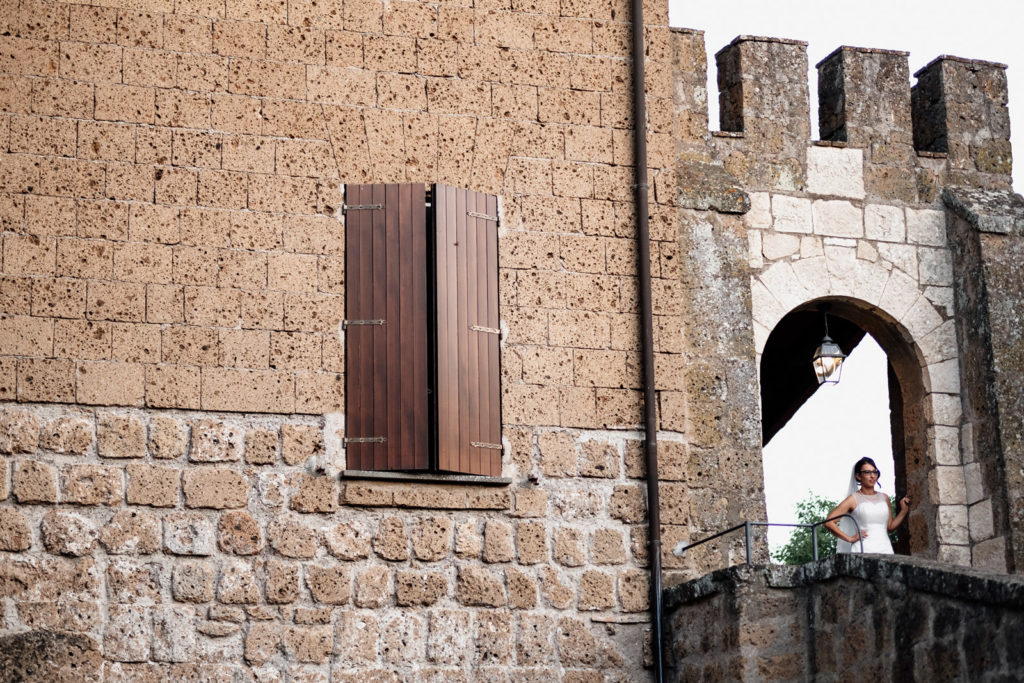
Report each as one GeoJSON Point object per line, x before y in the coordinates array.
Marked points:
{"type": "Point", "coordinates": [847, 616]}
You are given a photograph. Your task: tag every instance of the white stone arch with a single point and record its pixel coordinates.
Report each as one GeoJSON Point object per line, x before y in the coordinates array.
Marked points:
{"type": "Point", "coordinates": [898, 298]}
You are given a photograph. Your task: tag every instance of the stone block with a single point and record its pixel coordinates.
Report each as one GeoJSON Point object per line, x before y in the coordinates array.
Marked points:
{"type": "Point", "coordinates": [291, 538]}
{"type": "Point", "coordinates": [477, 586]}
{"type": "Point", "coordinates": [419, 588]}
{"type": "Point", "coordinates": [237, 585]}
{"type": "Point", "coordinates": [120, 436]}
{"type": "Point", "coordinates": [92, 485]}
{"type": "Point", "coordinates": [331, 585]}
{"type": "Point", "coordinates": [990, 555]}
{"type": "Point", "coordinates": [952, 525]}
{"type": "Point", "coordinates": [282, 585]}
{"type": "Point", "coordinates": [557, 454]}
{"type": "Point", "coordinates": [391, 541]}
{"type": "Point", "coordinates": [19, 431]}
{"type": "Point", "coordinates": [497, 542]}
{"type": "Point", "coordinates": [65, 533]}
{"type": "Point", "coordinates": [215, 487]}
{"type": "Point", "coordinates": [127, 634]}
{"type": "Point", "coordinates": [597, 590]}
{"type": "Point", "coordinates": [884, 223]}
{"type": "Point", "coordinates": [174, 636]}
{"type": "Point", "coordinates": [935, 267]}
{"type": "Point", "coordinates": [531, 502]}
{"type": "Point", "coordinates": [215, 441]}
{"type": "Point", "coordinates": [192, 581]}
{"type": "Point", "coordinates": [15, 533]}
{"type": "Point", "coordinates": [131, 532]}
{"type": "Point", "coordinates": [837, 218]}
{"type": "Point", "coordinates": [634, 590]}
{"type": "Point", "coordinates": [189, 534]}
{"type": "Point", "coordinates": [309, 643]}
{"type": "Point", "coordinates": [348, 540]}
{"type": "Point", "coordinates": [152, 485]}
{"type": "Point", "coordinates": [262, 642]}
{"type": "Point", "coordinates": [299, 443]}
{"type": "Point", "coordinates": [926, 227]}
{"type": "Point", "coordinates": [469, 542]}
{"type": "Point", "coordinates": [568, 547]}
{"type": "Point", "coordinates": [315, 494]}
{"type": "Point", "coordinates": [358, 634]}
{"type": "Point", "coordinates": [835, 171]}
{"type": "Point", "coordinates": [239, 533]}
{"type": "Point", "coordinates": [68, 434]}
{"type": "Point", "coordinates": [608, 547]}
{"type": "Point", "coordinates": [35, 482]}
{"type": "Point", "coordinates": [372, 587]}
{"type": "Point", "coordinates": [261, 446]}
{"type": "Point", "coordinates": [981, 521]}
{"type": "Point", "coordinates": [432, 539]}
{"type": "Point", "coordinates": [791, 214]}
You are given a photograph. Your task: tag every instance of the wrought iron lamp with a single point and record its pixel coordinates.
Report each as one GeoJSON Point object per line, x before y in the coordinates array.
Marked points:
{"type": "Point", "coordinates": [828, 359]}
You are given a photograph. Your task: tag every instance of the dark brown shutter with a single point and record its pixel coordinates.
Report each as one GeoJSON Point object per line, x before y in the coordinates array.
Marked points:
{"type": "Point", "coordinates": [386, 363]}
{"type": "Point", "coordinates": [468, 409]}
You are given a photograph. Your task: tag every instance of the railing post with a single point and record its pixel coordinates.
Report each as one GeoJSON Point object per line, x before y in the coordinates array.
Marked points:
{"type": "Point", "coordinates": [814, 542]}
{"type": "Point", "coordinates": [746, 534]}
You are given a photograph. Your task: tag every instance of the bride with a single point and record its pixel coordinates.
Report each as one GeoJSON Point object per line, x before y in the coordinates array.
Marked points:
{"type": "Point", "coordinates": [872, 511]}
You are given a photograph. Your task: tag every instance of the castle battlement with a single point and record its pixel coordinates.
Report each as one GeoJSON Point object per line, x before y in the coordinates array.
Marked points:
{"type": "Point", "coordinates": [952, 125]}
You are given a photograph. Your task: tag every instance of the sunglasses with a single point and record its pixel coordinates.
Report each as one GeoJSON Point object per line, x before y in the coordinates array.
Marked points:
{"type": "Point", "coordinates": [866, 473]}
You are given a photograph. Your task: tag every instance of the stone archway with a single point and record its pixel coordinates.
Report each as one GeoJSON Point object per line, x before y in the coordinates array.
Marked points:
{"type": "Point", "coordinates": [921, 344]}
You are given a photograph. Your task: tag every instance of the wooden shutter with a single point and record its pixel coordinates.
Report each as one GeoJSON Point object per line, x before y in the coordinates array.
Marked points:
{"type": "Point", "coordinates": [468, 408]}
{"type": "Point", "coordinates": [386, 329]}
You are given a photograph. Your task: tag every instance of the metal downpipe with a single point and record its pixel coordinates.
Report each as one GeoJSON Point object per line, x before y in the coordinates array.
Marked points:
{"type": "Point", "coordinates": [647, 334]}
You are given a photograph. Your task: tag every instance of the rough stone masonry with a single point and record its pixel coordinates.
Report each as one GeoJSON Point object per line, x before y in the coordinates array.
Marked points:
{"type": "Point", "coordinates": [172, 363]}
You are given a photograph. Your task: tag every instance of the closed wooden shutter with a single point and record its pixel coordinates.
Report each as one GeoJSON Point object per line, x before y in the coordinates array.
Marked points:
{"type": "Point", "coordinates": [387, 326]}
{"type": "Point", "coordinates": [468, 393]}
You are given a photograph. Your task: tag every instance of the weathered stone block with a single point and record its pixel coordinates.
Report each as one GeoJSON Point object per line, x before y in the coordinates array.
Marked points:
{"type": "Point", "coordinates": [192, 581]}
{"type": "Point", "coordinates": [477, 586]}
{"type": "Point", "coordinates": [127, 634]}
{"type": "Point", "coordinates": [372, 587]}
{"type": "Point", "coordinates": [282, 585]}
{"type": "Point", "coordinates": [174, 635]}
{"type": "Point", "coordinates": [391, 541]}
{"type": "Point", "coordinates": [261, 447]}
{"type": "Point", "coordinates": [597, 590]}
{"type": "Point", "coordinates": [15, 533]}
{"type": "Point", "coordinates": [215, 488]}
{"type": "Point", "coordinates": [214, 441]}
{"type": "Point", "coordinates": [292, 538]}
{"type": "Point", "coordinates": [348, 541]}
{"type": "Point", "coordinates": [299, 443]}
{"type": "Point", "coordinates": [65, 533]}
{"type": "Point", "coordinates": [189, 534]}
{"type": "Point", "coordinates": [120, 436]}
{"type": "Point", "coordinates": [131, 532]}
{"type": "Point", "coordinates": [167, 438]}
{"type": "Point", "coordinates": [497, 541]}
{"type": "Point", "coordinates": [153, 485]}
{"type": "Point", "coordinates": [420, 588]}
{"type": "Point", "coordinates": [835, 171]}
{"type": "Point", "coordinates": [93, 485]}
{"type": "Point", "coordinates": [239, 533]}
{"type": "Point", "coordinates": [330, 585]}
{"type": "Point", "coordinates": [315, 494]}
{"type": "Point", "coordinates": [19, 431]}
{"type": "Point", "coordinates": [237, 585]}
{"type": "Point", "coordinates": [432, 539]}
{"type": "Point", "coordinates": [35, 482]}
{"type": "Point", "coordinates": [68, 434]}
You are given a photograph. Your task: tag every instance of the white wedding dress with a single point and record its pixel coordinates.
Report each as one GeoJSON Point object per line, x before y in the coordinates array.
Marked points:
{"type": "Point", "coordinates": [872, 514]}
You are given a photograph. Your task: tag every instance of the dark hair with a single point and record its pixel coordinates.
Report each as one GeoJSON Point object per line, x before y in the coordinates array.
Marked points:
{"type": "Point", "coordinates": [863, 461]}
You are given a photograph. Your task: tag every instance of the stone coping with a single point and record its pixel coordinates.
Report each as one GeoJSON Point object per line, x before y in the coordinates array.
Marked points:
{"type": "Point", "coordinates": [994, 211]}
{"type": "Point", "coordinates": [862, 50]}
{"type": "Point", "coordinates": [962, 60]}
{"type": "Point", "coordinates": [896, 574]}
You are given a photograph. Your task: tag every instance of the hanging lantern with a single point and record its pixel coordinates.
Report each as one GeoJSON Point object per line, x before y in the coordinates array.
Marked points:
{"type": "Point", "coordinates": [828, 359]}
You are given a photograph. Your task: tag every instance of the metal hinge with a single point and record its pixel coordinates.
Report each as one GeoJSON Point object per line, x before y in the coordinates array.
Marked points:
{"type": "Point", "coordinates": [474, 214]}
{"type": "Point", "coordinates": [346, 323]}
{"type": "Point", "coordinates": [360, 207]}
{"type": "Point", "coordinates": [481, 328]}
{"type": "Point", "coordinates": [364, 439]}
{"type": "Point", "coordinates": [483, 444]}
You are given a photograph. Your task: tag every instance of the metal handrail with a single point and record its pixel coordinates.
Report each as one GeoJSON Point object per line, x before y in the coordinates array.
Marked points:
{"type": "Point", "coordinates": [746, 526]}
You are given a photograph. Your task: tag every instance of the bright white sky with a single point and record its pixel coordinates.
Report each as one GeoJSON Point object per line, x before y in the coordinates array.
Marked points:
{"type": "Point", "coordinates": [841, 423]}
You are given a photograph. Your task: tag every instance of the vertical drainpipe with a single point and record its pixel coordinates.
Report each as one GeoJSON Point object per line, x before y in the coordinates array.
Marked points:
{"type": "Point", "coordinates": [647, 334]}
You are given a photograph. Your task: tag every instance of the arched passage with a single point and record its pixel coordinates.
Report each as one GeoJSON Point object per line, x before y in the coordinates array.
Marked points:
{"type": "Point", "coordinates": [787, 381]}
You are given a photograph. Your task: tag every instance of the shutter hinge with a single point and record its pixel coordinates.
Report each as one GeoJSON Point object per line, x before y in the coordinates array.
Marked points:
{"type": "Point", "coordinates": [484, 444]}
{"type": "Point", "coordinates": [364, 439]}
{"type": "Point", "coordinates": [360, 207]}
{"type": "Point", "coordinates": [474, 214]}
{"type": "Point", "coordinates": [346, 323]}
{"type": "Point", "coordinates": [481, 328]}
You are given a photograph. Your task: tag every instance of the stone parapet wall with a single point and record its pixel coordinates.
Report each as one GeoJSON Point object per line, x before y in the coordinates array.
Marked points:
{"type": "Point", "coordinates": [849, 615]}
